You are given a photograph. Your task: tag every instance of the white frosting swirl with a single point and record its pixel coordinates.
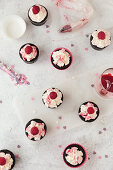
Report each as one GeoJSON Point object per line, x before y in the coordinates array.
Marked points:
{"type": "Point", "coordinates": [61, 57]}
{"type": "Point", "coordinates": [48, 101]}
{"type": "Point", "coordinates": [85, 114]}
{"type": "Point", "coordinates": [40, 127]}
{"type": "Point", "coordinates": [38, 17]}
{"type": "Point", "coordinates": [30, 56]}
{"type": "Point", "coordinates": [9, 161]}
{"type": "Point", "coordinates": [98, 42]}
{"type": "Point", "coordinates": [74, 156]}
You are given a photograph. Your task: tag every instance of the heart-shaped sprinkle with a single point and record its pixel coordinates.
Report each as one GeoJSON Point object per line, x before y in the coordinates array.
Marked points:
{"type": "Point", "coordinates": [104, 129]}
{"type": "Point", "coordinates": [106, 156]}
{"type": "Point", "coordinates": [100, 132]}
{"type": "Point", "coordinates": [58, 127]}
{"type": "Point", "coordinates": [94, 152]}
{"type": "Point", "coordinates": [59, 146]}
{"type": "Point", "coordinates": [100, 157]}
{"type": "Point", "coordinates": [64, 127]}
{"type": "Point", "coordinates": [60, 117]}
{"type": "Point", "coordinates": [47, 26]}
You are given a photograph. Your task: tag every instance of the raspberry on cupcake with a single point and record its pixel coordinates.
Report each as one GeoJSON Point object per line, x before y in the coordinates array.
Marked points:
{"type": "Point", "coordinates": [29, 53]}
{"type": "Point", "coordinates": [88, 111]}
{"type": "Point", "coordinates": [100, 39]}
{"type": "Point", "coordinates": [74, 155]}
{"type": "Point", "coordinates": [38, 15]}
{"type": "Point", "coordinates": [61, 58]}
{"type": "Point", "coordinates": [35, 129]}
{"type": "Point", "coordinates": [7, 160]}
{"type": "Point", "coordinates": [52, 98]}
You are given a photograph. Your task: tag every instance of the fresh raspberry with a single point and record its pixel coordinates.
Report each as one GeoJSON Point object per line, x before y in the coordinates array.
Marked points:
{"type": "Point", "coordinates": [34, 131]}
{"type": "Point", "coordinates": [101, 35]}
{"type": "Point", "coordinates": [90, 110]}
{"type": "Point", "coordinates": [2, 161]}
{"type": "Point", "coordinates": [35, 9]}
{"type": "Point", "coordinates": [28, 50]}
{"type": "Point", "coordinates": [53, 95]}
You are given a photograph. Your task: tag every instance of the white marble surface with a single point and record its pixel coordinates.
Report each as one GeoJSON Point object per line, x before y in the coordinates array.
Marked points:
{"type": "Point", "coordinates": [46, 154]}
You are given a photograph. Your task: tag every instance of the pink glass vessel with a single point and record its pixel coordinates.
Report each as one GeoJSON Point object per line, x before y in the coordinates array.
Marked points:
{"type": "Point", "coordinates": [104, 84]}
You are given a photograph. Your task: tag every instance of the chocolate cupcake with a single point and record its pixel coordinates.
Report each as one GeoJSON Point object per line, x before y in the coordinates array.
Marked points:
{"type": "Point", "coordinates": [61, 58]}
{"type": "Point", "coordinates": [74, 155]}
{"type": "Point", "coordinates": [7, 160]}
{"type": "Point", "coordinates": [88, 111]}
{"type": "Point", "coordinates": [38, 15]}
{"type": "Point", "coordinates": [52, 98]}
{"type": "Point", "coordinates": [29, 53]}
{"type": "Point", "coordinates": [100, 39]}
{"type": "Point", "coordinates": [35, 129]}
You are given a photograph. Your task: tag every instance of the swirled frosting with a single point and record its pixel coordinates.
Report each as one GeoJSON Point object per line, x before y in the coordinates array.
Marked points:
{"type": "Point", "coordinates": [52, 103]}
{"type": "Point", "coordinates": [88, 111]}
{"type": "Point", "coordinates": [9, 161]}
{"type": "Point", "coordinates": [30, 56]}
{"type": "Point", "coordinates": [74, 156]}
{"type": "Point", "coordinates": [38, 17]}
{"type": "Point", "coordinates": [41, 130]}
{"type": "Point", "coordinates": [101, 42]}
{"type": "Point", "coordinates": [61, 57]}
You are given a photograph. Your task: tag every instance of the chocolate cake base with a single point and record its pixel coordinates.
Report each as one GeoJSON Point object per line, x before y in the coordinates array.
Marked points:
{"type": "Point", "coordinates": [39, 23]}
{"type": "Point", "coordinates": [34, 59]}
{"type": "Point", "coordinates": [38, 121]}
{"type": "Point", "coordinates": [91, 120]}
{"type": "Point", "coordinates": [57, 105]}
{"type": "Point", "coordinates": [12, 156]}
{"type": "Point", "coordinates": [80, 148]}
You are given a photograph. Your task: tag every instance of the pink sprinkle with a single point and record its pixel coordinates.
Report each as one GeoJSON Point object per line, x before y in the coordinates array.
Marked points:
{"type": "Point", "coordinates": [86, 49]}
{"type": "Point", "coordinates": [32, 98]}
{"type": "Point", "coordinates": [66, 17]}
{"type": "Point", "coordinates": [12, 66]}
{"type": "Point", "coordinates": [47, 31]}
{"type": "Point", "coordinates": [100, 157]}
{"type": "Point", "coordinates": [59, 146]}
{"type": "Point", "coordinates": [58, 127]}
{"type": "Point", "coordinates": [17, 156]}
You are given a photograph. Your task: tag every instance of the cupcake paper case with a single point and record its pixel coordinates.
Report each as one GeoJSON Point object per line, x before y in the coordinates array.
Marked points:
{"type": "Point", "coordinates": [61, 58]}
{"type": "Point", "coordinates": [100, 39]}
{"type": "Point", "coordinates": [29, 53]}
{"type": "Point", "coordinates": [7, 160]}
{"type": "Point", "coordinates": [88, 111]}
{"type": "Point", "coordinates": [35, 129]}
{"type": "Point", "coordinates": [52, 98]}
{"type": "Point", "coordinates": [38, 15]}
{"type": "Point", "coordinates": [74, 155]}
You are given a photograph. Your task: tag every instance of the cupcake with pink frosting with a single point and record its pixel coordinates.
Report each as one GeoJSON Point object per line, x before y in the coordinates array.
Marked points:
{"type": "Point", "coordinates": [29, 53]}
{"type": "Point", "coordinates": [74, 155]}
{"type": "Point", "coordinates": [7, 160]}
{"type": "Point", "coordinates": [61, 58]}
{"type": "Point", "coordinates": [52, 98]}
{"type": "Point", "coordinates": [35, 129]}
{"type": "Point", "coordinates": [100, 39]}
{"type": "Point", "coordinates": [38, 15]}
{"type": "Point", "coordinates": [88, 111]}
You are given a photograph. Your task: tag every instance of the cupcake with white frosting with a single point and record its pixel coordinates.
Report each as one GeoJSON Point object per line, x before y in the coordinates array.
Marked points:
{"type": "Point", "coordinates": [35, 129]}
{"type": "Point", "coordinates": [100, 39]}
{"type": "Point", "coordinates": [52, 98]}
{"type": "Point", "coordinates": [61, 58]}
{"type": "Point", "coordinates": [7, 160]}
{"type": "Point", "coordinates": [29, 53]}
{"type": "Point", "coordinates": [38, 15]}
{"type": "Point", "coordinates": [74, 155]}
{"type": "Point", "coordinates": [88, 111]}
